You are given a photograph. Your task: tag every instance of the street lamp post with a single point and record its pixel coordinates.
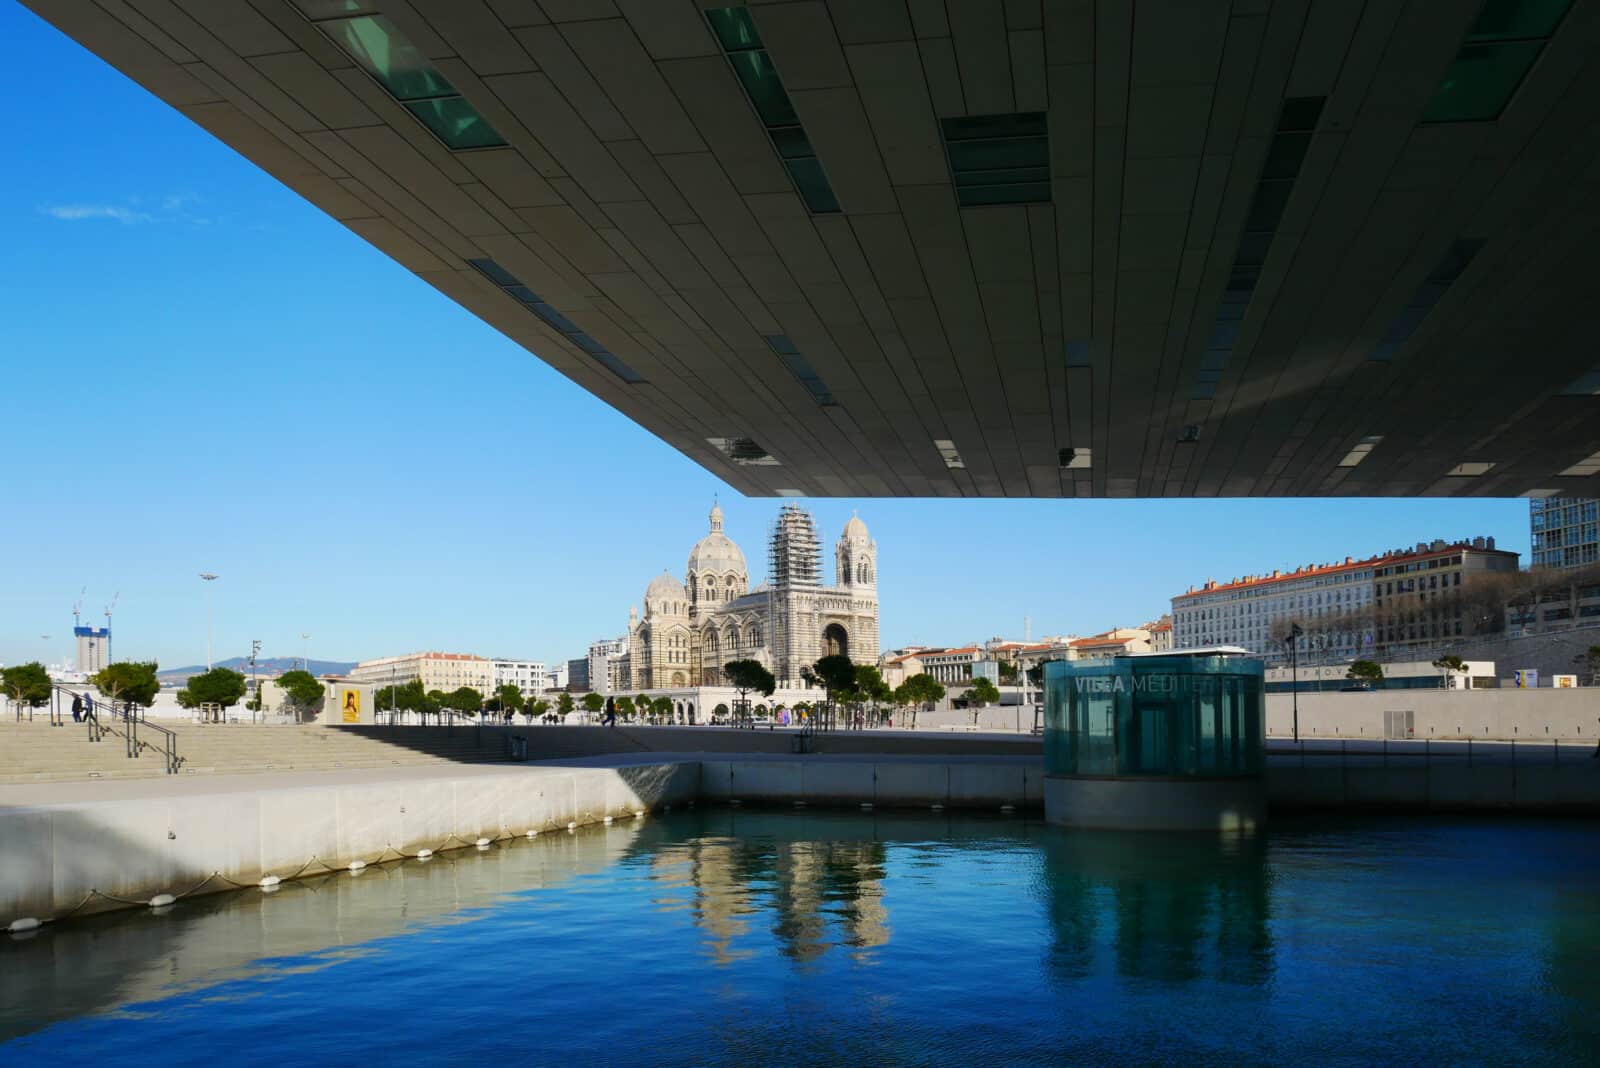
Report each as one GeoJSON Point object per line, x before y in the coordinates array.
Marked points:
{"type": "Point", "coordinates": [1294, 674]}
{"type": "Point", "coordinates": [255, 649]}
{"type": "Point", "coordinates": [305, 652]}
{"type": "Point", "coordinates": [209, 578]}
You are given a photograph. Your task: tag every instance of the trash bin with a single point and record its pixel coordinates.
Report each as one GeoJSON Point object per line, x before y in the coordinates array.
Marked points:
{"type": "Point", "coordinates": [519, 747]}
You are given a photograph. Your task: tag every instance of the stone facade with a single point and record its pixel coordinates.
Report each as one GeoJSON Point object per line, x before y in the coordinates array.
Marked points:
{"type": "Point", "coordinates": [690, 628]}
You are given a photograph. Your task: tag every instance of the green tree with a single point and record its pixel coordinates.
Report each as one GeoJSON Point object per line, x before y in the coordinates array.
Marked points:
{"type": "Point", "coordinates": [593, 702]}
{"type": "Point", "coordinates": [508, 698]}
{"type": "Point", "coordinates": [27, 684]}
{"type": "Point", "coordinates": [625, 708]}
{"type": "Point", "coordinates": [983, 692]}
{"type": "Point", "coordinates": [1367, 671]}
{"type": "Point", "coordinates": [662, 707]}
{"type": "Point", "coordinates": [537, 709]}
{"type": "Point", "coordinates": [1449, 664]}
{"type": "Point", "coordinates": [129, 681]}
{"type": "Point", "coordinates": [219, 686]}
{"type": "Point", "coordinates": [836, 674]}
{"type": "Point", "coordinates": [564, 704]}
{"type": "Point", "coordinates": [465, 699]}
{"type": "Point", "coordinates": [1008, 673]}
{"type": "Point", "coordinates": [922, 689]}
{"type": "Point", "coordinates": [642, 703]}
{"type": "Point", "coordinates": [304, 691]}
{"type": "Point", "coordinates": [747, 675]}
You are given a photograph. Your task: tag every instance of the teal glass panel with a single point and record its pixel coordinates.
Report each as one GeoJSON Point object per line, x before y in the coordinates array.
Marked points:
{"type": "Point", "coordinates": [761, 81]}
{"type": "Point", "coordinates": [375, 43]}
{"type": "Point", "coordinates": [333, 9]}
{"type": "Point", "coordinates": [456, 123]}
{"type": "Point", "coordinates": [995, 154]}
{"type": "Point", "coordinates": [1481, 81]}
{"type": "Point", "coordinates": [735, 30]}
{"type": "Point", "coordinates": [1508, 20]}
{"type": "Point", "coordinates": [1163, 717]}
{"type": "Point", "coordinates": [1020, 124]}
{"type": "Point", "coordinates": [792, 142]}
{"type": "Point", "coordinates": [998, 159]}
{"type": "Point", "coordinates": [813, 184]}
{"type": "Point", "coordinates": [1020, 193]}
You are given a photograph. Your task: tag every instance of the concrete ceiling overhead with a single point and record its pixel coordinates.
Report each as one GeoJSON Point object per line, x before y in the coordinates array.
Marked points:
{"type": "Point", "coordinates": [1247, 248]}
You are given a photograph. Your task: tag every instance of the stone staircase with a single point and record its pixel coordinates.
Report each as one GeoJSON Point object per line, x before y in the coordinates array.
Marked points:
{"type": "Point", "coordinates": [38, 752]}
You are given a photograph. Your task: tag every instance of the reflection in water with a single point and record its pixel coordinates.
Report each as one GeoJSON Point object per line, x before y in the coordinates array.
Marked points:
{"type": "Point", "coordinates": [745, 938]}
{"type": "Point", "coordinates": [816, 894]}
{"type": "Point", "coordinates": [1172, 907]}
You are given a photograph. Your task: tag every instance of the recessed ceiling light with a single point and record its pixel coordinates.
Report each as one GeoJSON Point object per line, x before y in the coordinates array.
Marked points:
{"type": "Point", "coordinates": [1585, 467]}
{"type": "Point", "coordinates": [1359, 452]}
{"type": "Point", "coordinates": [947, 452]}
{"type": "Point", "coordinates": [1470, 469]}
{"type": "Point", "coordinates": [1541, 493]}
{"type": "Point", "coordinates": [1073, 458]}
{"type": "Point", "coordinates": [744, 451]}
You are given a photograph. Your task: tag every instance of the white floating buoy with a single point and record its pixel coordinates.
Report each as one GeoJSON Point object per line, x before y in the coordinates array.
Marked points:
{"type": "Point", "coordinates": [269, 880]}
{"type": "Point", "coordinates": [866, 804]}
{"type": "Point", "coordinates": [638, 813]}
{"type": "Point", "coordinates": [533, 834]}
{"type": "Point", "coordinates": [424, 854]}
{"type": "Point", "coordinates": [1008, 808]}
{"type": "Point", "coordinates": [161, 901]}
{"type": "Point", "coordinates": [357, 865]}
{"type": "Point", "coordinates": [610, 819]}
{"type": "Point", "coordinates": [25, 923]}
{"type": "Point", "coordinates": [572, 825]}
{"type": "Point", "coordinates": [481, 842]}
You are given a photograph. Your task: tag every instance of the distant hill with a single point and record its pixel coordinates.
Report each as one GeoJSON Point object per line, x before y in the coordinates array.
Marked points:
{"type": "Point", "coordinates": [266, 667]}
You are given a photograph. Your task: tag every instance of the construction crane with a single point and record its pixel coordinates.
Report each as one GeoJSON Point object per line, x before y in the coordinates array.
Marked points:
{"type": "Point", "coordinates": [77, 609]}
{"type": "Point", "coordinates": [109, 607]}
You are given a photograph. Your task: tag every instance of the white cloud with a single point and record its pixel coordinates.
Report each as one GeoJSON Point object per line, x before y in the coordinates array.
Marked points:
{"type": "Point", "coordinates": [76, 212]}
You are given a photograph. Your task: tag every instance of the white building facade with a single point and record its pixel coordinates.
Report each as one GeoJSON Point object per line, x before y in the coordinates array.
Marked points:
{"type": "Point", "coordinates": [436, 671]}
{"type": "Point", "coordinates": [602, 675]}
{"type": "Point", "coordinates": [528, 676]}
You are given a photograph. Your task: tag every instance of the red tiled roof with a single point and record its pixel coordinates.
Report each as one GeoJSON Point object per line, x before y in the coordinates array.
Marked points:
{"type": "Point", "coordinates": [1330, 569]}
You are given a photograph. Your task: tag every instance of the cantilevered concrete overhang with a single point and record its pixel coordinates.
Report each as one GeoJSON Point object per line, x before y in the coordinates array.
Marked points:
{"type": "Point", "coordinates": [966, 247]}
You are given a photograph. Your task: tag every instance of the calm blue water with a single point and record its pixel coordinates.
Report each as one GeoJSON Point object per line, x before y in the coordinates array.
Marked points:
{"type": "Point", "coordinates": [748, 938]}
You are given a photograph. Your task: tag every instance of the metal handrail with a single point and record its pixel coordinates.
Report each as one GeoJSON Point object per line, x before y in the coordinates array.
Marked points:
{"type": "Point", "coordinates": [133, 717]}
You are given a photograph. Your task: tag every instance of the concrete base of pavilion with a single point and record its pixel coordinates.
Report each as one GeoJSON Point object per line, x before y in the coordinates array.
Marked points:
{"type": "Point", "coordinates": [1225, 806]}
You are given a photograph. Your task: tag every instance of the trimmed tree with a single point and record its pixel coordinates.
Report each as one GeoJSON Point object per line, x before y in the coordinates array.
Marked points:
{"type": "Point", "coordinates": [625, 708]}
{"type": "Point", "coordinates": [27, 684]}
{"type": "Point", "coordinates": [219, 686]}
{"type": "Point", "coordinates": [836, 675]}
{"type": "Point", "coordinates": [922, 689]}
{"type": "Point", "coordinates": [129, 681]}
{"type": "Point", "coordinates": [304, 690]}
{"type": "Point", "coordinates": [593, 702]}
{"type": "Point", "coordinates": [747, 675]}
{"type": "Point", "coordinates": [564, 704]}
{"type": "Point", "coordinates": [537, 709]}
{"type": "Point", "coordinates": [465, 699]}
{"type": "Point", "coordinates": [1449, 664]}
{"type": "Point", "coordinates": [509, 698]}
{"type": "Point", "coordinates": [1367, 671]}
{"type": "Point", "coordinates": [662, 707]}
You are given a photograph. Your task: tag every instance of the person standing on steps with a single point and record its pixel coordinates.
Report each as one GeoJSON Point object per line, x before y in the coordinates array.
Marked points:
{"type": "Point", "coordinates": [610, 719]}
{"type": "Point", "coordinates": [77, 708]}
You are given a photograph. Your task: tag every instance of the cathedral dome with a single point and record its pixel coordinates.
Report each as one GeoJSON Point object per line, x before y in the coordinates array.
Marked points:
{"type": "Point", "coordinates": [855, 530]}
{"type": "Point", "coordinates": [665, 588]}
{"type": "Point", "coordinates": [716, 553]}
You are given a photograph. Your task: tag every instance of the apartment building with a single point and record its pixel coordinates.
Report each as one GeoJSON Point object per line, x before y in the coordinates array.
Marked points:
{"type": "Point", "coordinates": [1566, 532]}
{"type": "Point", "coordinates": [437, 671]}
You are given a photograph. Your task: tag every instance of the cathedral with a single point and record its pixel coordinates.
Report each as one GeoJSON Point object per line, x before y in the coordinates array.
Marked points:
{"type": "Point", "coordinates": [691, 628]}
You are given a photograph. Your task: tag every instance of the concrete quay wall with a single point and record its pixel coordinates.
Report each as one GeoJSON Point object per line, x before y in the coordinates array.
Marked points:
{"type": "Point", "coordinates": [816, 780]}
{"type": "Point", "coordinates": [1413, 786]}
{"type": "Point", "coordinates": [1495, 715]}
{"type": "Point", "coordinates": [83, 856]}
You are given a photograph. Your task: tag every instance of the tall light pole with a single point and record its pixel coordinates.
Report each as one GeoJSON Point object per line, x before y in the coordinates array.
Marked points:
{"type": "Point", "coordinates": [305, 653]}
{"type": "Point", "coordinates": [1294, 674]}
{"type": "Point", "coordinates": [209, 579]}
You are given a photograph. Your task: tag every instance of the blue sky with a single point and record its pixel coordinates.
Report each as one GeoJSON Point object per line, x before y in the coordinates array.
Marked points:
{"type": "Point", "coordinates": [204, 373]}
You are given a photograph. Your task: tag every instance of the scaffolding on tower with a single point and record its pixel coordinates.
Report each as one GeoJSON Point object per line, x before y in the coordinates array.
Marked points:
{"type": "Point", "coordinates": [794, 570]}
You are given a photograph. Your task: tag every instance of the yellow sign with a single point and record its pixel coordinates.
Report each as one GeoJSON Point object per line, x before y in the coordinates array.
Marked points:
{"type": "Point", "coordinates": [350, 706]}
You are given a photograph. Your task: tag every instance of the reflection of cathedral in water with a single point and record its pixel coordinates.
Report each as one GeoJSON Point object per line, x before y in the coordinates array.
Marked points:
{"type": "Point", "coordinates": [1172, 909]}
{"type": "Point", "coordinates": [818, 894]}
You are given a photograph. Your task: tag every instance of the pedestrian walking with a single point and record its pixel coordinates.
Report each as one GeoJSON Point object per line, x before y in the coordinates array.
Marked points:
{"type": "Point", "coordinates": [611, 712]}
{"type": "Point", "coordinates": [77, 708]}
